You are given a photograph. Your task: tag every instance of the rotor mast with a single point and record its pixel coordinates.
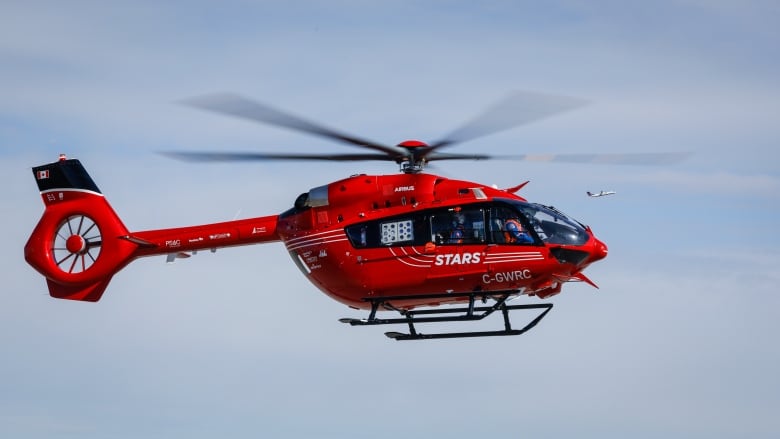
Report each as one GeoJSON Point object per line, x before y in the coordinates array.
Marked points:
{"type": "Point", "coordinates": [414, 162]}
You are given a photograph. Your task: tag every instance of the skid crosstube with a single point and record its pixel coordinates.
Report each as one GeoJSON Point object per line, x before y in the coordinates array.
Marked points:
{"type": "Point", "coordinates": [471, 312]}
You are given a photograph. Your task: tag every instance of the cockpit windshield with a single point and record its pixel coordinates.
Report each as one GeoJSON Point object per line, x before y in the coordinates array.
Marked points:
{"type": "Point", "coordinates": [552, 225]}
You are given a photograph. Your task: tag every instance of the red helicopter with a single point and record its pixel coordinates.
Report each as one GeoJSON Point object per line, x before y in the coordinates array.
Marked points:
{"type": "Point", "coordinates": [429, 248]}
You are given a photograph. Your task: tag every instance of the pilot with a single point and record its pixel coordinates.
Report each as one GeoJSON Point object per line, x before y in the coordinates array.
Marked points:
{"type": "Point", "coordinates": [515, 233]}
{"type": "Point", "coordinates": [458, 230]}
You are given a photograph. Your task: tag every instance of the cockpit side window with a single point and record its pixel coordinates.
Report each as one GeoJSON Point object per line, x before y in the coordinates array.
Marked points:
{"type": "Point", "coordinates": [458, 226]}
{"type": "Point", "coordinates": [508, 226]}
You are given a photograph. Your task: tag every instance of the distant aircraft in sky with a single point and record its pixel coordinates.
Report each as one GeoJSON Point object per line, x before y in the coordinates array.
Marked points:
{"type": "Point", "coordinates": [600, 194]}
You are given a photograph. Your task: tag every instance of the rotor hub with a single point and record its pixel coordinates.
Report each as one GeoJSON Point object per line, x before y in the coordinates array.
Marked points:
{"type": "Point", "coordinates": [76, 244]}
{"type": "Point", "coordinates": [414, 162]}
{"type": "Point", "coordinates": [411, 144]}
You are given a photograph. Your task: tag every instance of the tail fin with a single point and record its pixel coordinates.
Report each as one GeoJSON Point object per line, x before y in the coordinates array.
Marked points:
{"type": "Point", "coordinates": [76, 244]}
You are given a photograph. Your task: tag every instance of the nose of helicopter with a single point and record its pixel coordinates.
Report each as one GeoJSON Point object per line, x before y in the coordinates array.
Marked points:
{"type": "Point", "coordinates": [599, 251]}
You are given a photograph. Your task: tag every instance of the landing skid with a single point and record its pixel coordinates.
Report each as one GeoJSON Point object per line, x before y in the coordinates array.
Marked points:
{"type": "Point", "coordinates": [471, 312]}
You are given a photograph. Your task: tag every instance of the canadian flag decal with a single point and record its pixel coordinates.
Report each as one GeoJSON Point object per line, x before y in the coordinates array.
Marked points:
{"type": "Point", "coordinates": [43, 174]}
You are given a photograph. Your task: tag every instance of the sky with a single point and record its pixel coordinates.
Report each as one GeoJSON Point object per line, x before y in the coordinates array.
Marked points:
{"type": "Point", "coordinates": [677, 342]}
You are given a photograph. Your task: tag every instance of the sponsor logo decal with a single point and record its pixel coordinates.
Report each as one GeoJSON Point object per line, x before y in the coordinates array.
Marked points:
{"type": "Point", "coordinates": [458, 258]}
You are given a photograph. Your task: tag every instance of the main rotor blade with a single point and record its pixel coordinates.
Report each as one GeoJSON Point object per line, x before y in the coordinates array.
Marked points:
{"type": "Point", "coordinates": [606, 159]}
{"type": "Point", "coordinates": [238, 106]}
{"type": "Point", "coordinates": [445, 156]}
{"type": "Point", "coordinates": [194, 156]}
{"type": "Point", "coordinates": [519, 108]}
{"type": "Point", "coordinates": [649, 158]}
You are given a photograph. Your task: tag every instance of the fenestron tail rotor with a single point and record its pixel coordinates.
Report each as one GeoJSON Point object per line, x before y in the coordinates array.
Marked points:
{"type": "Point", "coordinates": [76, 245]}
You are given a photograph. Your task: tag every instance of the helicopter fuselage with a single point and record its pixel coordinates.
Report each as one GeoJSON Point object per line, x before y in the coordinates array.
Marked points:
{"type": "Point", "coordinates": [397, 235]}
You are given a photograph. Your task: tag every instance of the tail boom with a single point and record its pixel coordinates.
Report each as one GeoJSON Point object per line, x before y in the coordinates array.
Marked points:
{"type": "Point", "coordinates": [207, 236]}
{"type": "Point", "coordinates": [80, 242]}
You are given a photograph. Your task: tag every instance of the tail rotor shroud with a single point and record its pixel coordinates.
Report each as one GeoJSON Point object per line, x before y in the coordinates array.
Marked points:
{"type": "Point", "coordinates": [73, 245]}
